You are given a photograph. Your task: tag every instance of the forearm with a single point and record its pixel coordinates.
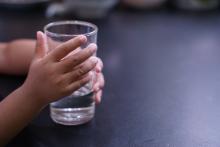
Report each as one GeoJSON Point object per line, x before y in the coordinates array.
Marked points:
{"type": "Point", "coordinates": [16, 56]}
{"type": "Point", "coordinates": [16, 111]}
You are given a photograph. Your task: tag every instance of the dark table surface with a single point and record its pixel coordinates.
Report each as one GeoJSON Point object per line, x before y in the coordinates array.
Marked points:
{"type": "Point", "coordinates": [162, 70]}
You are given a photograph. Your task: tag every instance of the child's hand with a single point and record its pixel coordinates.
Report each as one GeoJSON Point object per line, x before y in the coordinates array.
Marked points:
{"type": "Point", "coordinates": [51, 77]}
{"type": "Point", "coordinates": [100, 82]}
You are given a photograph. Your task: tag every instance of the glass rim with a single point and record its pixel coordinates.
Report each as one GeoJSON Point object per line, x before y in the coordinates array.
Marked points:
{"type": "Point", "coordinates": [73, 22]}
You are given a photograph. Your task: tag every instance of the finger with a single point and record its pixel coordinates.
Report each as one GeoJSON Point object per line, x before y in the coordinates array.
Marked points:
{"type": "Point", "coordinates": [98, 97]}
{"type": "Point", "coordinates": [75, 60]}
{"type": "Point", "coordinates": [99, 66]}
{"type": "Point", "coordinates": [83, 69]}
{"type": "Point", "coordinates": [99, 83]}
{"type": "Point", "coordinates": [64, 49]}
{"type": "Point", "coordinates": [69, 78]}
{"type": "Point", "coordinates": [80, 83]}
{"type": "Point", "coordinates": [41, 45]}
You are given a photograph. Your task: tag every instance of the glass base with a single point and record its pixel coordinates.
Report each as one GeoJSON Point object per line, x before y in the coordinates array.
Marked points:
{"type": "Point", "coordinates": [72, 116]}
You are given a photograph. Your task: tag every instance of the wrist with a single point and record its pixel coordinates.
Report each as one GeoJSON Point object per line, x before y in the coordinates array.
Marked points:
{"type": "Point", "coordinates": [32, 97]}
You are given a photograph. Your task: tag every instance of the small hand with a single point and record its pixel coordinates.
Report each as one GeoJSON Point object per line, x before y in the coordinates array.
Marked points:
{"type": "Point", "coordinates": [51, 76]}
{"type": "Point", "coordinates": [100, 82]}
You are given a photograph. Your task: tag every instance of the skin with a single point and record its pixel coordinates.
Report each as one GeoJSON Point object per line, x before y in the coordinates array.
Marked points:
{"type": "Point", "coordinates": [61, 75]}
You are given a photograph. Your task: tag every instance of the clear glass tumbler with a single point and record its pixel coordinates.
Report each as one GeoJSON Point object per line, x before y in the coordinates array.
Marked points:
{"type": "Point", "coordinates": [79, 107]}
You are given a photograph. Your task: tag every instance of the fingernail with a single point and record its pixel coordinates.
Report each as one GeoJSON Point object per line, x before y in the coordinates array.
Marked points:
{"type": "Point", "coordinates": [82, 38]}
{"type": "Point", "coordinates": [93, 59]}
{"type": "Point", "coordinates": [93, 47]}
{"type": "Point", "coordinates": [39, 34]}
{"type": "Point", "coordinates": [91, 74]}
{"type": "Point", "coordinates": [98, 69]}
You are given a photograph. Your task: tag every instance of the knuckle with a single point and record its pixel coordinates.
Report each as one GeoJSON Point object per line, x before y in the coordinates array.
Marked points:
{"type": "Point", "coordinates": [59, 82]}
{"type": "Point", "coordinates": [81, 71]}
{"type": "Point", "coordinates": [75, 60]}
{"type": "Point", "coordinates": [65, 49]}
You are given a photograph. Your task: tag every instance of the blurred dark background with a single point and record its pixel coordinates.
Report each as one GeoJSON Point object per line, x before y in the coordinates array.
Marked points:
{"type": "Point", "coordinates": [100, 9]}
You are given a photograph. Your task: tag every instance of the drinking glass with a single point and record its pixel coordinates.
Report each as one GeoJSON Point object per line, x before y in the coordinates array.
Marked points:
{"type": "Point", "coordinates": [79, 107]}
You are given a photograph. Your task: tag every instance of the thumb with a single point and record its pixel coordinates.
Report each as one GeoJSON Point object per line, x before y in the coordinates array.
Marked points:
{"type": "Point", "coordinates": [41, 45]}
